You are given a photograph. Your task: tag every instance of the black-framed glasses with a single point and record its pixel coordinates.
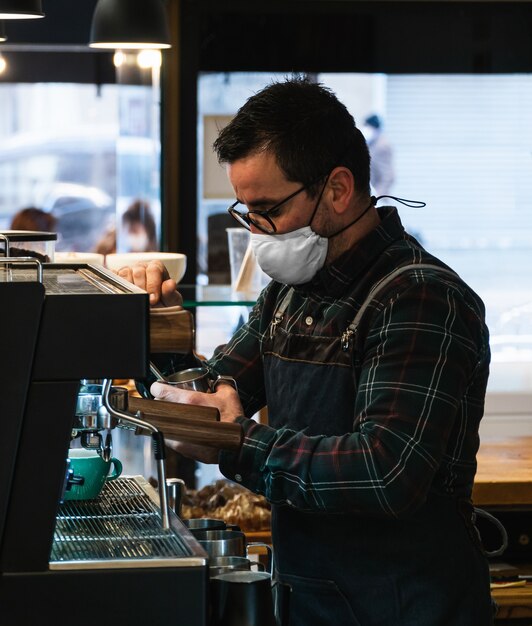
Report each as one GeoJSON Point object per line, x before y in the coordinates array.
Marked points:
{"type": "Point", "coordinates": [262, 219]}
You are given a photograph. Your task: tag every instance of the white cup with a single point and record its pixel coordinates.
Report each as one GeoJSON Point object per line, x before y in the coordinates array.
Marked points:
{"type": "Point", "coordinates": [175, 262]}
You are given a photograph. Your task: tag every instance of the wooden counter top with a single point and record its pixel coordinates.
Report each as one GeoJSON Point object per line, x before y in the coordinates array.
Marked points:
{"type": "Point", "coordinates": [504, 474]}
{"type": "Point", "coordinates": [513, 602]}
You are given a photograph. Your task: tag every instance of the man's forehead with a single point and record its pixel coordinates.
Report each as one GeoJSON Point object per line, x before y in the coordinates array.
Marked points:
{"type": "Point", "coordinates": [263, 163]}
{"type": "Point", "coordinates": [257, 174]}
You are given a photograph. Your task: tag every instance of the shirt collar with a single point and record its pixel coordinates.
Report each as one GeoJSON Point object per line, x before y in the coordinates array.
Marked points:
{"type": "Point", "coordinates": [333, 279]}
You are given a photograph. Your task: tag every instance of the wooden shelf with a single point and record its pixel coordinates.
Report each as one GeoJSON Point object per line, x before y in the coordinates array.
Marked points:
{"type": "Point", "coordinates": [264, 536]}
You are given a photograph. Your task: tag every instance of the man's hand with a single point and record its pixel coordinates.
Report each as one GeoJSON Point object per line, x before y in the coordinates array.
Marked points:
{"type": "Point", "coordinates": [225, 399]}
{"type": "Point", "coordinates": [153, 277]}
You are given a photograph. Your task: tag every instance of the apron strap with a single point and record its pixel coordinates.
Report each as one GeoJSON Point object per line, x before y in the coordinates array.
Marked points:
{"type": "Point", "coordinates": [279, 314]}
{"type": "Point", "coordinates": [379, 287]}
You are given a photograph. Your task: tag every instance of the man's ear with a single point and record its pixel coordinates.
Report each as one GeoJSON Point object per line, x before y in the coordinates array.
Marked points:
{"type": "Point", "coordinates": [341, 189]}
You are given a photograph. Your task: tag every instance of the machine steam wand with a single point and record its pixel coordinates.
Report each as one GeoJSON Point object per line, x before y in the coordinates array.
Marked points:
{"type": "Point", "coordinates": [158, 446]}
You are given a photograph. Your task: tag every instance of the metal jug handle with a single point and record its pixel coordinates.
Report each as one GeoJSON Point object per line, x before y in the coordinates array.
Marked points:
{"type": "Point", "coordinates": [269, 550]}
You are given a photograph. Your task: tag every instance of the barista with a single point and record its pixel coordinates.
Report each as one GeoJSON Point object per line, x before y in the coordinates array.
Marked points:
{"type": "Point", "coordinates": [368, 459]}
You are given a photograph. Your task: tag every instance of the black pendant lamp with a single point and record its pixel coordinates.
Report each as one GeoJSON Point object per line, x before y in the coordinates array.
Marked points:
{"type": "Point", "coordinates": [129, 24]}
{"type": "Point", "coordinates": [3, 36]}
{"type": "Point", "coordinates": [20, 9]}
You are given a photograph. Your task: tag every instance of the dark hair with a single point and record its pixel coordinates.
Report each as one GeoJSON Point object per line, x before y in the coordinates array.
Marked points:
{"type": "Point", "coordinates": [304, 125]}
{"type": "Point", "coordinates": [139, 212]}
{"type": "Point", "coordinates": [33, 218]}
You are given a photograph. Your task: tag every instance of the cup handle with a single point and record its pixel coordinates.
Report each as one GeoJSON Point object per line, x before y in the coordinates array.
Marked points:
{"type": "Point", "coordinates": [268, 550]}
{"type": "Point", "coordinates": [224, 379]}
{"type": "Point", "coordinates": [117, 469]}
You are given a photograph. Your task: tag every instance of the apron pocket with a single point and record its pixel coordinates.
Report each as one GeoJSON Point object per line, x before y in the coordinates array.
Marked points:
{"type": "Point", "coordinates": [311, 602]}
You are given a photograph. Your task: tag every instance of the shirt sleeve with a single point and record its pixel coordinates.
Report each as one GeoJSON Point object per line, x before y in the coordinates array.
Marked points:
{"type": "Point", "coordinates": [420, 360]}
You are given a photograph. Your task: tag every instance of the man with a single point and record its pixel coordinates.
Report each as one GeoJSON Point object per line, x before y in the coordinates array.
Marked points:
{"type": "Point", "coordinates": [369, 456]}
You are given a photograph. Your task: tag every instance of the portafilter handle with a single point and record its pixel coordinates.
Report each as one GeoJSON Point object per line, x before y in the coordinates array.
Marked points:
{"type": "Point", "coordinates": [158, 445]}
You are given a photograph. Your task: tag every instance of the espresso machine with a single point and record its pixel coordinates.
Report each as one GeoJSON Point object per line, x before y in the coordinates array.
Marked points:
{"type": "Point", "coordinates": [126, 556]}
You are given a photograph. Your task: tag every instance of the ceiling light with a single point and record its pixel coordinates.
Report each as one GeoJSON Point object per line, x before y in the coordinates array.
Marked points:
{"type": "Point", "coordinates": [3, 36]}
{"type": "Point", "coordinates": [119, 58]}
{"type": "Point", "coordinates": [3, 64]}
{"type": "Point", "coordinates": [129, 24]}
{"type": "Point", "coordinates": [20, 9]}
{"type": "Point", "coordinates": [149, 58]}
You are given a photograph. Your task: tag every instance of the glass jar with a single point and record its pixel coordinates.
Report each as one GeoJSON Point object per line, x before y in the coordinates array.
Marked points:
{"type": "Point", "coordinates": [40, 245]}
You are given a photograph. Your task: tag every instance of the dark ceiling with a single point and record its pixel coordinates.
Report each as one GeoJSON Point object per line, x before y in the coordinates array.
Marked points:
{"type": "Point", "coordinates": [354, 36]}
{"type": "Point", "coordinates": [54, 48]}
{"type": "Point", "coordinates": [67, 22]}
{"type": "Point", "coordinates": [293, 35]}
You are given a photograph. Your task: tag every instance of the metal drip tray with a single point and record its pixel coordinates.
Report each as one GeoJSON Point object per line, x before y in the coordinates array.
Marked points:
{"type": "Point", "coordinates": [121, 528]}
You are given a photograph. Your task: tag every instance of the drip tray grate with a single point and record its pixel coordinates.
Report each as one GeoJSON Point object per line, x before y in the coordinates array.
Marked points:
{"type": "Point", "coordinates": [123, 523]}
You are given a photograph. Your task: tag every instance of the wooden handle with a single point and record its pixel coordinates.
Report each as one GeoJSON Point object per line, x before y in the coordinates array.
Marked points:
{"type": "Point", "coordinates": [171, 410]}
{"type": "Point", "coordinates": [171, 330]}
{"type": "Point", "coordinates": [219, 435]}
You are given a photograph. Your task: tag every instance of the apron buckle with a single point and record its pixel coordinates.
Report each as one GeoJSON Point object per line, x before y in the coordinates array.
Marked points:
{"type": "Point", "coordinates": [345, 340]}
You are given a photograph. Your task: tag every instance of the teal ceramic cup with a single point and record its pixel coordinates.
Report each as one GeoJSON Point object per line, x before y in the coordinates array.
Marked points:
{"type": "Point", "coordinates": [94, 471]}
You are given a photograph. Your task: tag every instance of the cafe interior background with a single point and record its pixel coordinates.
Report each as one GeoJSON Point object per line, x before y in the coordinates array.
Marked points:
{"type": "Point", "coordinates": [84, 132]}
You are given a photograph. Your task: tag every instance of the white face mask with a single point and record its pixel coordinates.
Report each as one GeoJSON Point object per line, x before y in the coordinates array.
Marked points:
{"type": "Point", "coordinates": [291, 258]}
{"type": "Point", "coordinates": [137, 242]}
{"type": "Point", "coordinates": [296, 257]}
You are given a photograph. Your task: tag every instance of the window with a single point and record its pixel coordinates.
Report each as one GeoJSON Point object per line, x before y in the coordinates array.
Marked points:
{"type": "Point", "coordinates": [461, 143]}
{"type": "Point", "coordinates": [82, 152]}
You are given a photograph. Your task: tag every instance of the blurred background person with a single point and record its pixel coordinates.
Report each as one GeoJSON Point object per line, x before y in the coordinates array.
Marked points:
{"type": "Point", "coordinates": [32, 218]}
{"type": "Point", "coordinates": [381, 153]}
{"type": "Point", "coordinates": [107, 243]}
{"type": "Point", "coordinates": [139, 231]}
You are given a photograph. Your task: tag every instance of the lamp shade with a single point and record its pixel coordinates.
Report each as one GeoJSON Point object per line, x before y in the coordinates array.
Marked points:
{"type": "Point", "coordinates": [20, 9]}
{"type": "Point", "coordinates": [129, 24]}
{"type": "Point", "coordinates": [3, 36]}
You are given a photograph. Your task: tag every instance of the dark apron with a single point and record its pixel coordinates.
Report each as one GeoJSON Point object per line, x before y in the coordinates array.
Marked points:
{"type": "Point", "coordinates": [349, 569]}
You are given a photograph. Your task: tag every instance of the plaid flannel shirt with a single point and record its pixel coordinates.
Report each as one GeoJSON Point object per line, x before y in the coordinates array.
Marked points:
{"type": "Point", "coordinates": [422, 359]}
